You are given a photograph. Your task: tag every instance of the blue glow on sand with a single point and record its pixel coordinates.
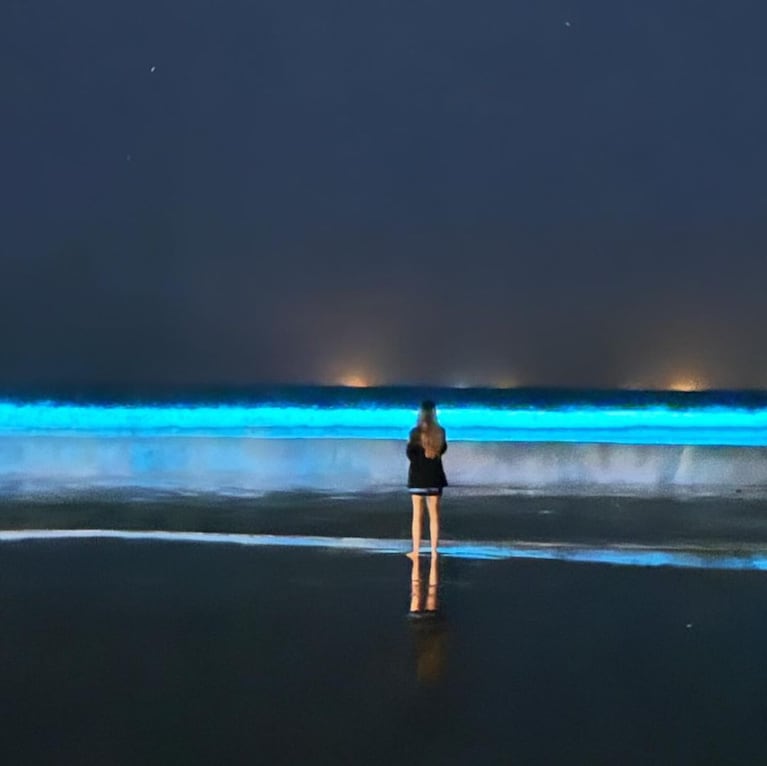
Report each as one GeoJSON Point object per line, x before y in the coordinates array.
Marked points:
{"type": "Point", "coordinates": [711, 425]}
{"type": "Point", "coordinates": [635, 556]}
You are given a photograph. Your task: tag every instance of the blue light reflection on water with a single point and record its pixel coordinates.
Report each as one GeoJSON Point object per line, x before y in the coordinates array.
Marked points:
{"type": "Point", "coordinates": [711, 425]}
{"type": "Point", "coordinates": [617, 555]}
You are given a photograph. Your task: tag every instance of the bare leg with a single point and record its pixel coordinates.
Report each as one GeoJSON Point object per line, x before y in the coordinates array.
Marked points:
{"type": "Point", "coordinates": [417, 523]}
{"type": "Point", "coordinates": [432, 503]}
{"type": "Point", "coordinates": [415, 586]}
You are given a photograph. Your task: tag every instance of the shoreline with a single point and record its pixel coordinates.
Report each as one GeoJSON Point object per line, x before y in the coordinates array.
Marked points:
{"type": "Point", "coordinates": [706, 522]}
{"type": "Point", "coordinates": [753, 558]}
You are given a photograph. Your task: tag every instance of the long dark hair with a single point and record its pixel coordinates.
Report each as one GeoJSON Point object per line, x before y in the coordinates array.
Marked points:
{"type": "Point", "coordinates": [431, 432]}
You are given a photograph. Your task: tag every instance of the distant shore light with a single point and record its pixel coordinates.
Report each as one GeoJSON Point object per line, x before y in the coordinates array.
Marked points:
{"type": "Point", "coordinates": [687, 384]}
{"type": "Point", "coordinates": [355, 381]}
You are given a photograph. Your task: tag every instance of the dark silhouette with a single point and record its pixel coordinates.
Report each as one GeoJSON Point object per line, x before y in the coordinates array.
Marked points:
{"type": "Point", "coordinates": [426, 476]}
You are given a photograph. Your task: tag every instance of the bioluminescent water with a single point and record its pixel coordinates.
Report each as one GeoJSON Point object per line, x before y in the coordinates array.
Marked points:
{"type": "Point", "coordinates": [471, 421]}
{"type": "Point", "coordinates": [622, 555]}
{"type": "Point", "coordinates": [342, 440]}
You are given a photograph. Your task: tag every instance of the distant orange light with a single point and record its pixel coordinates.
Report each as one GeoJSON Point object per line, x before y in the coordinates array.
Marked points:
{"type": "Point", "coordinates": [355, 381]}
{"type": "Point", "coordinates": [687, 384]}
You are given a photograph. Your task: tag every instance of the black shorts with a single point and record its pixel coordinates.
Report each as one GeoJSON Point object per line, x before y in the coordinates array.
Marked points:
{"type": "Point", "coordinates": [425, 490]}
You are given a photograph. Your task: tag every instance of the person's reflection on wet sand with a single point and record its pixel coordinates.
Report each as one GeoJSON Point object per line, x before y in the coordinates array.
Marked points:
{"type": "Point", "coordinates": [428, 622]}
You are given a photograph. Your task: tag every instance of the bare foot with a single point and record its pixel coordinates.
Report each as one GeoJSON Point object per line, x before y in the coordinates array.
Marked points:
{"type": "Point", "coordinates": [413, 555]}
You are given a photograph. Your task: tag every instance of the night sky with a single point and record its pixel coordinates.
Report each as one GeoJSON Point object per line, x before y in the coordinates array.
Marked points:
{"type": "Point", "coordinates": [533, 193]}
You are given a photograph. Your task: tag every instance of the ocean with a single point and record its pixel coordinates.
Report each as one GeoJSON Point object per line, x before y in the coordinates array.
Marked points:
{"type": "Point", "coordinates": [193, 576]}
{"type": "Point", "coordinates": [351, 440]}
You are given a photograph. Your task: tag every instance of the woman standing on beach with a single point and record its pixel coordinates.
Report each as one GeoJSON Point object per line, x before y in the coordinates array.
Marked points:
{"type": "Point", "coordinates": [426, 476]}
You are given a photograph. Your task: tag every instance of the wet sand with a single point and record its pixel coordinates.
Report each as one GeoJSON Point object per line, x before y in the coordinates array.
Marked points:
{"type": "Point", "coordinates": [126, 652]}
{"type": "Point", "coordinates": [577, 519]}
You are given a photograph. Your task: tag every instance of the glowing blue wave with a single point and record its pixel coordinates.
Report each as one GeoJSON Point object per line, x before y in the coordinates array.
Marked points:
{"type": "Point", "coordinates": [617, 555]}
{"type": "Point", "coordinates": [713, 425]}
